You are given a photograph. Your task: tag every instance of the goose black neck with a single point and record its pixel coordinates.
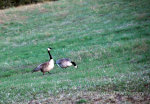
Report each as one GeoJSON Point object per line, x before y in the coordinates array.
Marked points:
{"type": "Point", "coordinates": [50, 56]}
{"type": "Point", "coordinates": [73, 63]}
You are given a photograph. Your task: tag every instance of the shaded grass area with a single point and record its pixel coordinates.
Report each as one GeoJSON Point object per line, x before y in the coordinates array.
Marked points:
{"type": "Point", "coordinates": [15, 3]}
{"type": "Point", "coordinates": [108, 39]}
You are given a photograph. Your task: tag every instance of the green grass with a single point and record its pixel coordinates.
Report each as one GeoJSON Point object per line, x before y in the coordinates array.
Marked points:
{"type": "Point", "coordinates": [108, 39]}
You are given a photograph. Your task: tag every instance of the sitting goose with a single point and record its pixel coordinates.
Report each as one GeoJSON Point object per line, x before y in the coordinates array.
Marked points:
{"type": "Point", "coordinates": [65, 62]}
{"type": "Point", "coordinates": [47, 66]}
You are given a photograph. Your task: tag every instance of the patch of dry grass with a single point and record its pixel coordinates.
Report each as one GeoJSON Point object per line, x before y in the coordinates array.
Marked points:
{"type": "Point", "coordinates": [8, 17]}
{"type": "Point", "coordinates": [90, 97]}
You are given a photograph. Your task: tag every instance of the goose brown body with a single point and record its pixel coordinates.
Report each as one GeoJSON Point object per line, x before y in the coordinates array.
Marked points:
{"type": "Point", "coordinates": [65, 62]}
{"type": "Point", "coordinates": [45, 67]}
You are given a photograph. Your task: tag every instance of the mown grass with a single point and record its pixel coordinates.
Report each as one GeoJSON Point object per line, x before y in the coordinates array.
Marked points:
{"type": "Point", "coordinates": [108, 39]}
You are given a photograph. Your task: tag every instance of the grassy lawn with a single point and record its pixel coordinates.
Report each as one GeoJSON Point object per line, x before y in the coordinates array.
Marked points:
{"type": "Point", "coordinates": [108, 39]}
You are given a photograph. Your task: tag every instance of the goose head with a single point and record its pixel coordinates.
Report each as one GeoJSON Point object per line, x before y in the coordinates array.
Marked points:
{"type": "Point", "coordinates": [49, 48]}
{"type": "Point", "coordinates": [76, 66]}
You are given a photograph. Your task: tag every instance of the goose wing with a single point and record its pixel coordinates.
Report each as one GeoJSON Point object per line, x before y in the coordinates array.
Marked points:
{"type": "Point", "coordinates": [40, 67]}
{"type": "Point", "coordinates": [63, 63]}
{"type": "Point", "coordinates": [60, 61]}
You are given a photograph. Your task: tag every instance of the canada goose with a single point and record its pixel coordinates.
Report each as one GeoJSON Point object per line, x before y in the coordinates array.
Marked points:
{"type": "Point", "coordinates": [65, 62]}
{"type": "Point", "coordinates": [47, 66]}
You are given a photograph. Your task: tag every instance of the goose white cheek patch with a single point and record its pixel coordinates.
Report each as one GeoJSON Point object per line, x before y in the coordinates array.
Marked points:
{"type": "Point", "coordinates": [48, 49]}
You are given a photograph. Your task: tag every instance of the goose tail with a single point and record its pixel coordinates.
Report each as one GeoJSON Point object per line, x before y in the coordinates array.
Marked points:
{"type": "Point", "coordinates": [35, 69]}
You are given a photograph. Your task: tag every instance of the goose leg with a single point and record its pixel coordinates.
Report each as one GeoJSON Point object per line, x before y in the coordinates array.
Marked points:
{"type": "Point", "coordinates": [43, 73]}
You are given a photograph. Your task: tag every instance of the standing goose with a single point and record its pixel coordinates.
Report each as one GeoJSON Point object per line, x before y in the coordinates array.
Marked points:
{"type": "Point", "coordinates": [65, 62]}
{"type": "Point", "coordinates": [47, 66]}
